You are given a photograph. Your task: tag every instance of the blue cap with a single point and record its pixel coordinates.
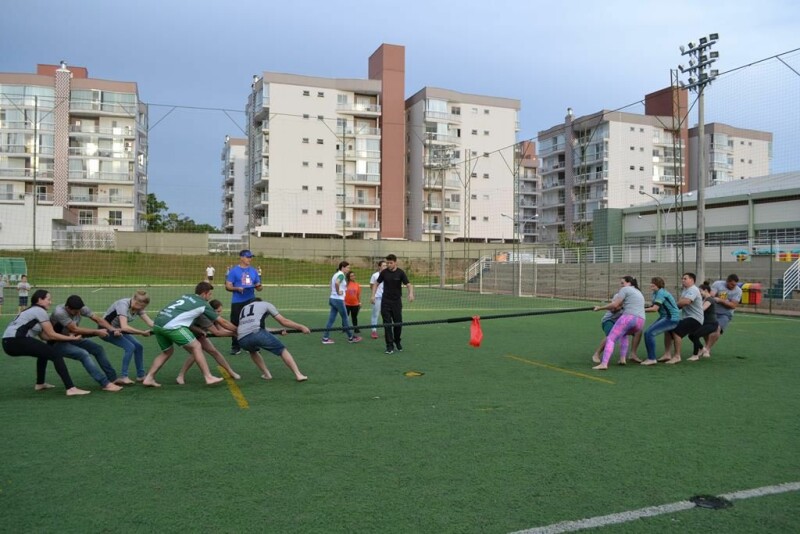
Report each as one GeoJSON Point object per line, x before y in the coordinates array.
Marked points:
{"type": "Point", "coordinates": [245, 254]}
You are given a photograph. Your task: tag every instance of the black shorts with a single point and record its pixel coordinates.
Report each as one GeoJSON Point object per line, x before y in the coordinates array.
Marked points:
{"type": "Point", "coordinates": [686, 327]}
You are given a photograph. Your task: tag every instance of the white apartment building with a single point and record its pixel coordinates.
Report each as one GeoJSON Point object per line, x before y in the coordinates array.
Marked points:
{"type": "Point", "coordinates": [527, 215]}
{"type": "Point", "coordinates": [460, 166]}
{"type": "Point", "coordinates": [604, 160]}
{"type": "Point", "coordinates": [235, 189]}
{"type": "Point", "coordinates": [731, 154]}
{"type": "Point", "coordinates": [74, 146]}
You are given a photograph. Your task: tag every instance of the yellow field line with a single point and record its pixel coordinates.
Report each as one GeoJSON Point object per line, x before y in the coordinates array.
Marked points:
{"type": "Point", "coordinates": [554, 368]}
{"type": "Point", "coordinates": [234, 388]}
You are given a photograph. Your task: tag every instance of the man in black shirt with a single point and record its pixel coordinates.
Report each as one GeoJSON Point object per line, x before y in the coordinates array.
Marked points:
{"type": "Point", "coordinates": [393, 280]}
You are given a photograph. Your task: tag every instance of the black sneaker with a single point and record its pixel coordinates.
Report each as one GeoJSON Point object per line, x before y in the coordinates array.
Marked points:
{"type": "Point", "coordinates": [234, 352]}
{"type": "Point", "coordinates": [389, 350]}
{"type": "Point", "coordinates": [398, 346]}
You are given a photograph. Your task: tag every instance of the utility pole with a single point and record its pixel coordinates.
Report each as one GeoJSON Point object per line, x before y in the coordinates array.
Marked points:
{"type": "Point", "coordinates": [699, 65]}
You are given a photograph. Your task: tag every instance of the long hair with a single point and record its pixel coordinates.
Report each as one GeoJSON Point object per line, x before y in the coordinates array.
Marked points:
{"type": "Point", "coordinates": [632, 281]}
{"type": "Point", "coordinates": [39, 294]}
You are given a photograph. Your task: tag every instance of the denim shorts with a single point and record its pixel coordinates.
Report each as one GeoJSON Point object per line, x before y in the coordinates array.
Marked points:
{"type": "Point", "coordinates": [262, 340]}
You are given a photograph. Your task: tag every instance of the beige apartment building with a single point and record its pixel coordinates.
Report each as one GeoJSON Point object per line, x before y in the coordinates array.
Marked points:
{"type": "Point", "coordinates": [235, 205]}
{"type": "Point", "coordinates": [730, 153]}
{"type": "Point", "coordinates": [325, 156]}
{"type": "Point", "coordinates": [76, 148]}
{"type": "Point", "coordinates": [461, 166]}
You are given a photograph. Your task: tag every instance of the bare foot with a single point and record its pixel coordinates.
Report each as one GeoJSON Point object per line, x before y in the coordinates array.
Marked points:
{"type": "Point", "coordinates": [665, 358]}
{"type": "Point", "coordinates": [693, 358]}
{"type": "Point", "coordinates": [211, 380]}
{"type": "Point", "coordinates": [235, 376]}
{"type": "Point", "coordinates": [648, 362]}
{"type": "Point", "coordinates": [112, 387]}
{"type": "Point", "coordinates": [302, 378]}
{"type": "Point", "coordinates": [149, 382]}
{"type": "Point", "coordinates": [179, 380]}
{"type": "Point", "coordinates": [674, 360]}
{"type": "Point", "coordinates": [42, 387]}
{"type": "Point", "coordinates": [622, 362]}
{"type": "Point", "coordinates": [124, 381]}
{"type": "Point", "coordinates": [596, 358]}
{"type": "Point", "coordinates": [71, 392]}
{"type": "Point", "coordinates": [601, 367]}
{"type": "Point", "coordinates": [141, 378]}
{"type": "Point", "coordinates": [634, 359]}
{"type": "Point", "coordinates": [706, 353]}
{"type": "Point", "coordinates": [266, 376]}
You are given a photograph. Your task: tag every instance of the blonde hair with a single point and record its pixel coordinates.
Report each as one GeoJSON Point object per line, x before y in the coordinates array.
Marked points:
{"type": "Point", "coordinates": [141, 297]}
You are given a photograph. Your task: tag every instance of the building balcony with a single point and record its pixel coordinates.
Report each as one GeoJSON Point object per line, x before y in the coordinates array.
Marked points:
{"type": "Point", "coordinates": [433, 137]}
{"type": "Point", "coordinates": [552, 184]}
{"type": "Point", "coordinates": [16, 198]}
{"type": "Point", "coordinates": [365, 130]}
{"type": "Point", "coordinates": [435, 228]}
{"type": "Point", "coordinates": [436, 205]}
{"type": "Point", "coordinates": [372, 110]}
{"type": "Point", "coordinates": [104, 108]}
{"type": "Point", "coordinates": [550, 148]}
{"type": "Point", "coordinates": [441, 116]}
{"type": "Point", "coordinates": [262, 199]}
{"type": "Point", "coordinates": [370, 225]}
{"type": "Point", "coordinates": [667, 179]}
{"type": "Point", "coordinates": [115, 177]}
{"type": "Point", "coordinates": [261, 221]}
{"type": "Point", "coordinates": [369, 179]}
{"type": "Point", "coordinates": [436, 183]}
{"type": "Point", "coordinates": [94, 152]}
{"type": "Point", "coordinates": [105, 223]}
{"type": "Point", "coordinates": [100, 199]}
{"type": "Point", "coordinates": [26, 149]}
{"type": "Point", "coordinates": [358, 202]}
{"type": "Point", "coordinates": [26, 173]}
{"type": "Point", "coordinates": [119, 131]}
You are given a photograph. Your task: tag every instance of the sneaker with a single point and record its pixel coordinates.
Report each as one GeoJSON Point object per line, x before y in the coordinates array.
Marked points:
{"type": "Point", "coordinates": [327, 341]}
{"type": "Point", "coordinates": [374, 335]}
{"type": "Point", "coordinates": [398, 346]}
{"type": "Point", "coordinates": [354, 339]}
{"type": "Point", "coordinates": [389, 351]}
{"type": "Point", "coordinates": [234, 352]}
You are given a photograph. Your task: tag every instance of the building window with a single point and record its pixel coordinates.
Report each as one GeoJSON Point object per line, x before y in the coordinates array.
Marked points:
{"type": "Point", "coordinates": [319, 212]}
{"type": "Point", "coordinates": [305, 115]}
{"type": "Point", "coordinates": [641, 168]}
{"type": "Point", "coordinates": [305, 164]}
{"type": "Point", "coordinates": [320, 141]}
{"type": "Point", "coordinates": [319, 188]}
{"type": "Point", "coordinates": [486, 132]}
{"type": "Point", "coordinates": [633, 129]}
{"type": "Point", "coordinates": [115, 218]}
{"type": "Point", "coordinates": [305, 188]}
{"type": "Point", "coordinates": [305, 140]}
{"type": "Point", "coordinates": [306, 93]}
{"type": "Point", "coordinates": [486, 175]}
{"type": "Point", "coordinates": [473, 153]}
{"type": "Point", "coordinates": [474, 197]}
{"type": "Point", "coordinates": [475, 110]}
{"type": "Point", "coordinates": [641, 149]}
{"type": "Point", "coordinates": [633, 148]}
{"type": "Point", "coordinates": [473, 175]}
{"type": "Point", "coordinates": [641, 130]}
{"type": "Point", "coordinates": [305, 212]}
{"type": "Point", "coordinates": [455, 110]}
{"type": "Point", "coordinates": [321, 117]}
{"type": "Point", "coordinates": [85, 217]}
{"type": "Point", "coordinates": [633, 186]}
{"type": "Point", "coordinates": [319, 164]}
{"type": "Point", "coordinates": [486, 219]}
{"type": "Point", "coordinates": [473, 218]}
{"type": "Point", "coordinates": [320, 94]}
{"type": "Point", "coordinates": [485, 111]}
{"type": "Point", "coordinates": [633, 168]}
{"type": "Point", "coordinates": [656, 191]}
{"type": "Point", "coordinates": [474, 132]}
{"type": "Point", "coordinates": [485, 154]}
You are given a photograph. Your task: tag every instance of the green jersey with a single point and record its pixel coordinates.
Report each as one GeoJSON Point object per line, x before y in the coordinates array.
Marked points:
{"type": "Point", "coordinates": [183, 311]}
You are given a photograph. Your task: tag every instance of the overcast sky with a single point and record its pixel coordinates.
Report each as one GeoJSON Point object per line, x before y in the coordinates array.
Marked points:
{"type": "Point", "coordinates": [587, 55]}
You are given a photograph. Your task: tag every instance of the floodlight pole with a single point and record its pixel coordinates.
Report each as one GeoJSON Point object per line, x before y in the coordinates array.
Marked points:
{"type": "Point", "coordinates": [702, 58]}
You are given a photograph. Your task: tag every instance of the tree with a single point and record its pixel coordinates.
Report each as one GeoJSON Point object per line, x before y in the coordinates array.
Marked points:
{"type": "Point", "coordinates": [159, 219]}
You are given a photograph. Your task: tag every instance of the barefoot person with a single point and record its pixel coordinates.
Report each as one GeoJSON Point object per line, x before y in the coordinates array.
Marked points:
{"type": "Point", "coordinates": [691, 305]}
{"type": "Point", "coordinates": [19, 339]}
{"type": "Point", "coordinates": [631, 301]}
{"type": "Point", "coordinates": [710, 324]}
{"type": "Point", "coordinates": [727, 296]}
{"type": "Point", "coordinates": [253, 336]}
{"type": "Point", "coordinates": [172, 327]}
{"type": "Point", "coordinates": [120, 315]}
{"type": "Point", "coordinates": [66, 318]}
{"type": "Point", "coordinates": [202, 327]}
{"type": "Point", "coordinates": [668, 316]}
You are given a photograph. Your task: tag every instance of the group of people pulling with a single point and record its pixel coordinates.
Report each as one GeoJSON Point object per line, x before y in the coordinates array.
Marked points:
{"type": "Point", "coordinates": [702, 313]}
{"type": "Point", "coordinates": [186, 322]}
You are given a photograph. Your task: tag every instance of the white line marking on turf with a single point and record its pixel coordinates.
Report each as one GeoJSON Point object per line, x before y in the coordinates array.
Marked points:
{"type": "Point", "coordinates": [98, 289]}
{"type": "Point", "coordinates": [650, 511]}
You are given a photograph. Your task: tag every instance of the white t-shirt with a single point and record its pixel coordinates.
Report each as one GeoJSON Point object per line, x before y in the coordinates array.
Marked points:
{"type": "Point", "coordinates": [210, 271]}
{"type": "Point", "coordinates": [341, 280]}
{"type": "Point", "coordinates": [374, 279]}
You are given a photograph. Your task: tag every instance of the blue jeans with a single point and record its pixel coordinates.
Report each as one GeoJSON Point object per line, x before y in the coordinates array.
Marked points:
{"type": "Point", "coordinates": [663, 324]}
{"type": "Point", "coordinates": [133, 349]}
{"type": "Point", "coordinates": [83, 351]}
{"type": "Point", "coordinates": [262, 340]}
{"type": "Point", "coordinates": [337, 308]}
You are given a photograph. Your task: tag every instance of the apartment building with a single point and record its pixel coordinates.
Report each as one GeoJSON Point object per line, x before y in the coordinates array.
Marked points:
{"type": "Point", "coordinates": [731, 154]}
{"type": "Point", "coordinates": [460, 166]}
{"type": "Point", "coordinates": [235, 188]}
{"type": "Point", "coordinates": [608, 159]}
{"type": "Point", "coordinates": [74, 146]}
{"type": "Point", "coordinates": [325, 156]}
{"type": "Point", "coordinates": [527, 215]}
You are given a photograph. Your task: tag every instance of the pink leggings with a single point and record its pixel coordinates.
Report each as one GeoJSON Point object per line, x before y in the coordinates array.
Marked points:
{"type": "Point", "coordinates": [626, 325]}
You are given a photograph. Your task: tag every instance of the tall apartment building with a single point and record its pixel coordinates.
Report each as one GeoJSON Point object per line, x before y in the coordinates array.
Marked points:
{"type": "Point", "coordinates": [527, 215]}
{"type": "Point", "coordinates": [731, 154]}
{"type": "Point", "coordinates": [75, 144]}
{"type": "Point", "coordinates": [235, 190]}
{"type": "Point", "coordinates": [460, 166]}
{"type": "Point", "coordinates": [325, 156]}
{"type": "Point", "coordinates": [608, 160]}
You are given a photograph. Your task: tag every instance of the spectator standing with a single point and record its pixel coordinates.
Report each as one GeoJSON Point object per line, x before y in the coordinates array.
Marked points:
{"type": "Point", "coordinates": [243, 281]}
{"type": "Point", "coordinates": [22, 290]}
{"type": "Point", "coordinates": [393, 279]}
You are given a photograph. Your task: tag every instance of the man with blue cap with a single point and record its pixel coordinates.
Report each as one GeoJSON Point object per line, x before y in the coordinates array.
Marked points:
{"type": "Point", "coordinates": [243, 281]}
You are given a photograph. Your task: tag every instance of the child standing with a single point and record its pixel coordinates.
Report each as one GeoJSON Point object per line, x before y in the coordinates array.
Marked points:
{"type": "Point", "coordinates": [22, 289]}
{"type": "Point", "coordinates": [352, 300]}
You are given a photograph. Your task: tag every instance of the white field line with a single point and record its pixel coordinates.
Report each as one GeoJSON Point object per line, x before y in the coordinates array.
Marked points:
{"type": "Point", "coordinates": [624, 517]}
